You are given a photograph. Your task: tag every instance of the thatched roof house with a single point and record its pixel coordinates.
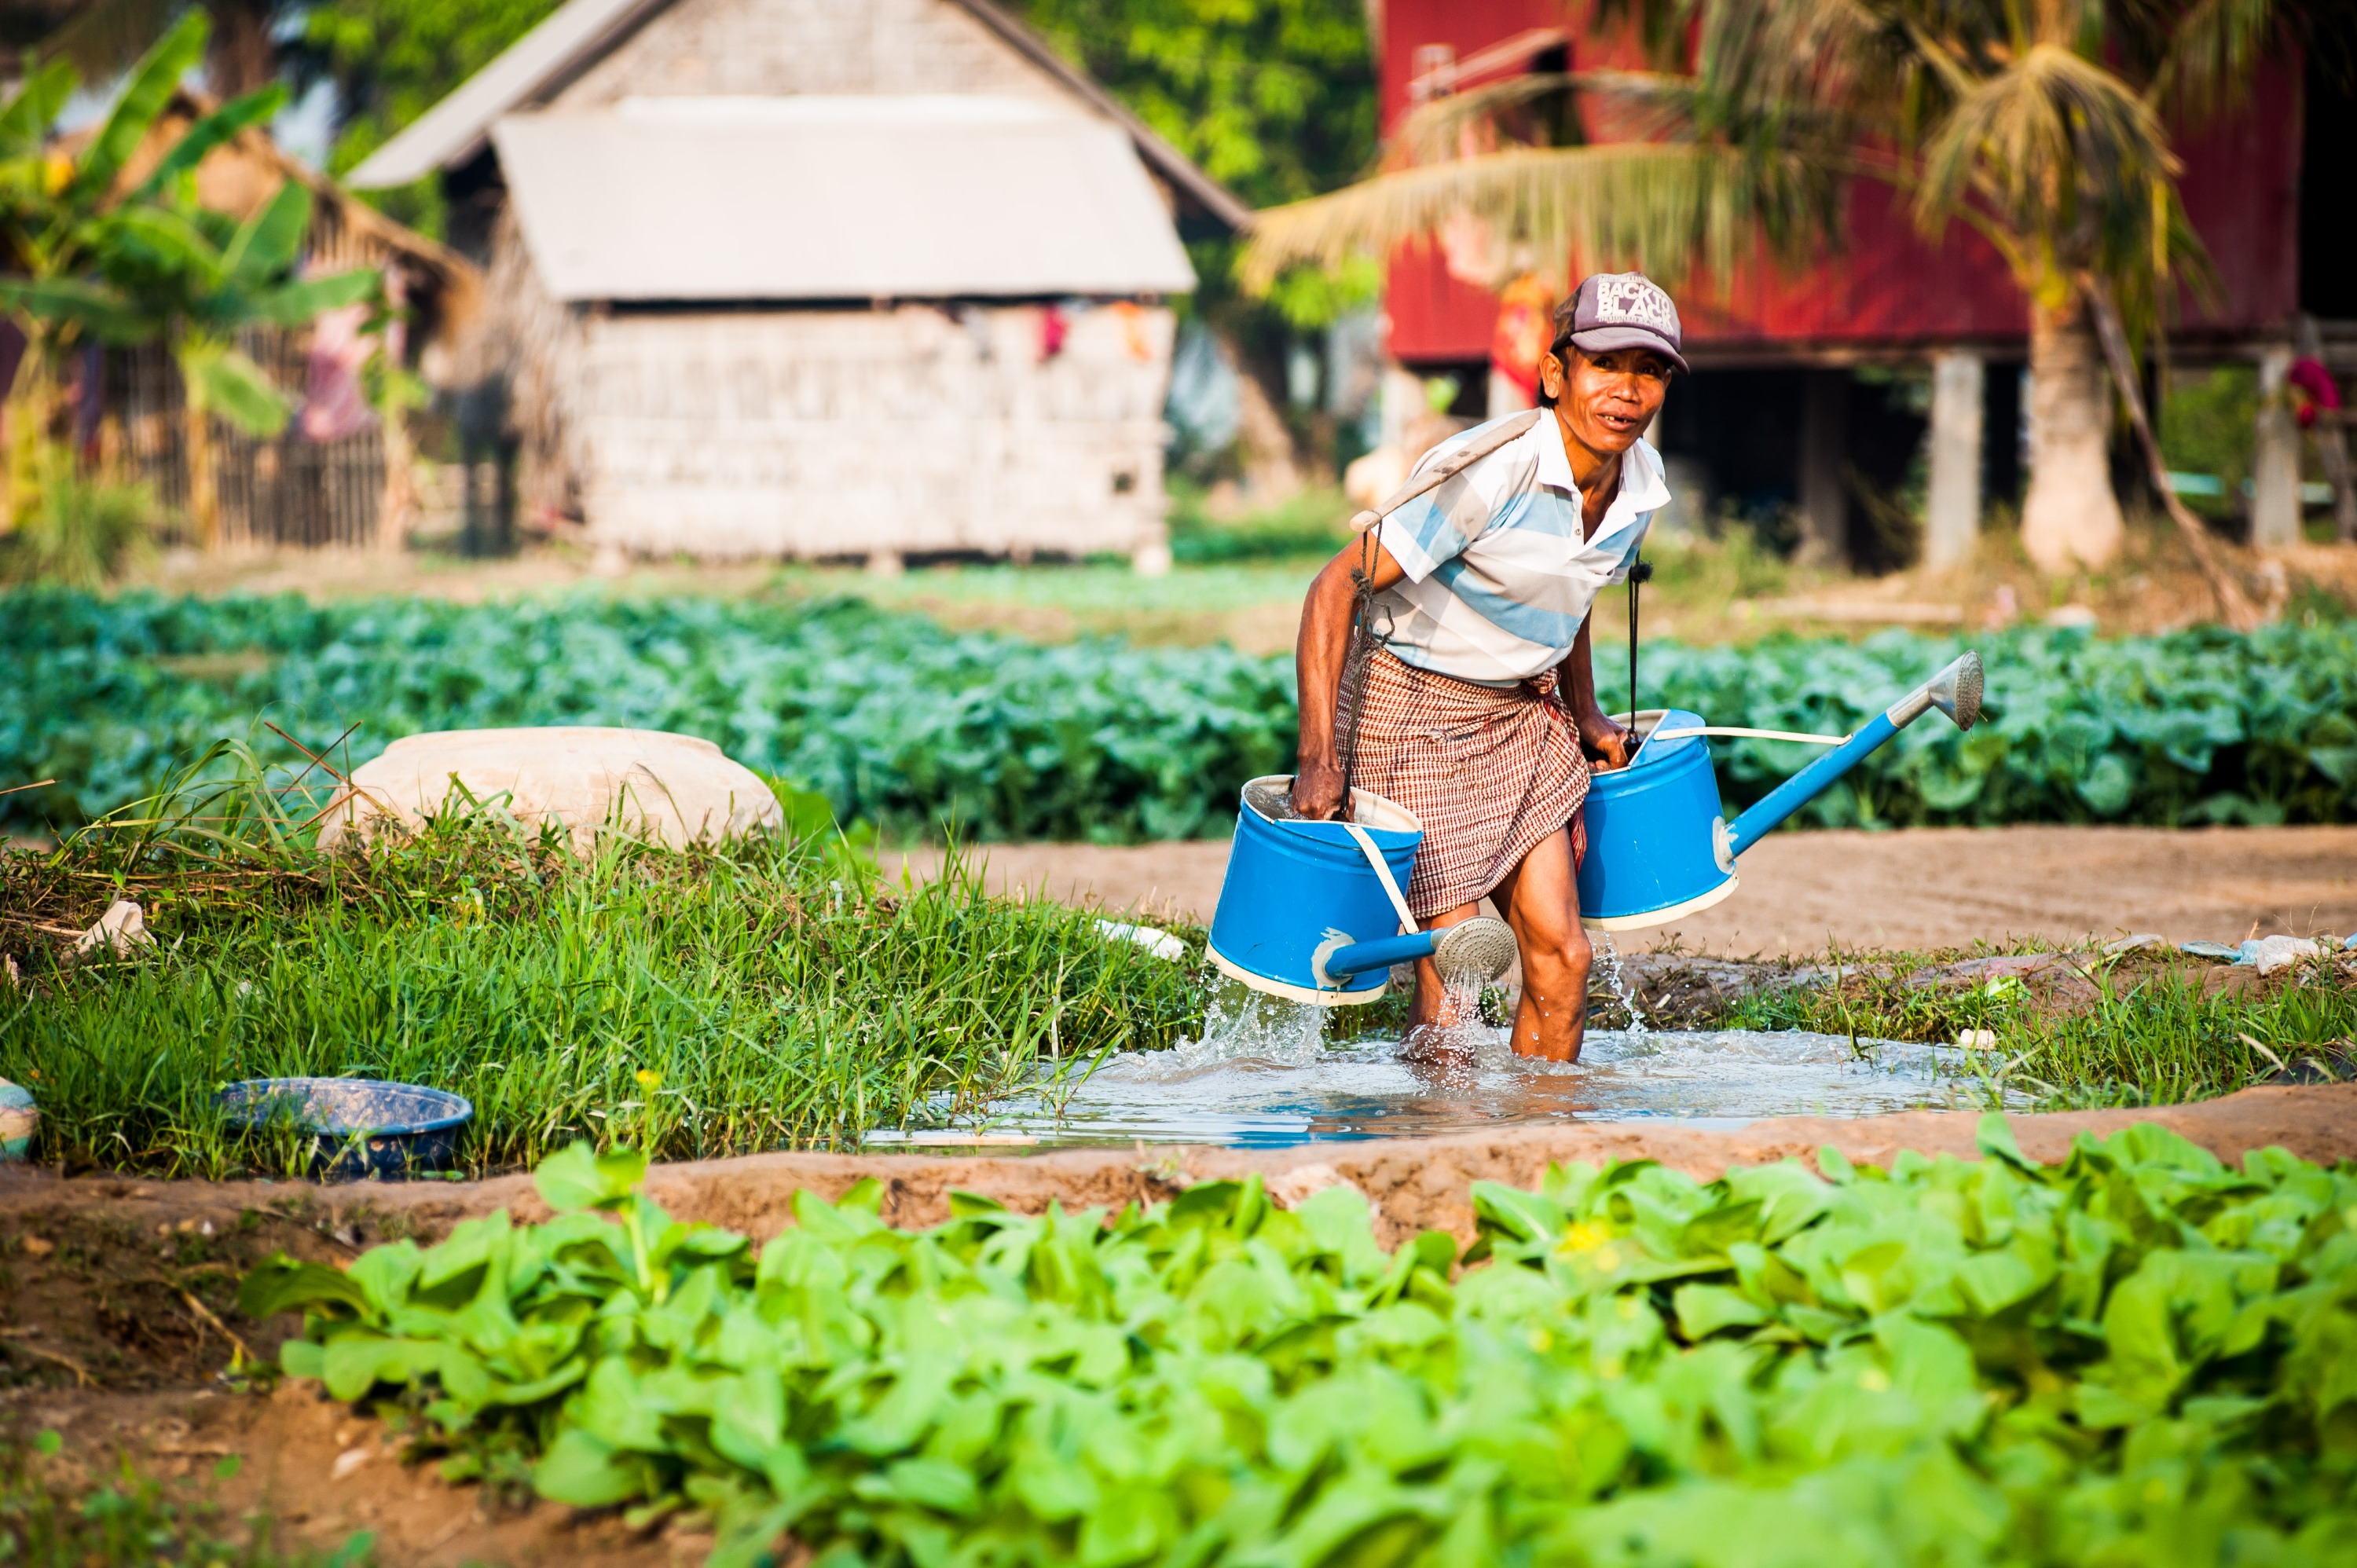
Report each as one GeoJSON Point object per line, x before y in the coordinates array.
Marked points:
{"type": "Point", "coordinates": [819, 277]}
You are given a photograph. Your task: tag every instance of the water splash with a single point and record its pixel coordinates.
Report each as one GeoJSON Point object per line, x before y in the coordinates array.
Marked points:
{"type": "Point", "coordinates": [1616, 980]}
{"type": "Point", "coordinates": [1240, 1026]}
{"type": "Point", "coordinates": [1459, 1036]}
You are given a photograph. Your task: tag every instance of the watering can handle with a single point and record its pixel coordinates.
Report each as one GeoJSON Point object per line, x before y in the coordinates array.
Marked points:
{"type": "Point", "coordinates": [1382, 875]}
{"type": "Point", "coordinates": [1746, 733]}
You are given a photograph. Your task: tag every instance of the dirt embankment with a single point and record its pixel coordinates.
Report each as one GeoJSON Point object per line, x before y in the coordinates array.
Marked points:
{"type": "Point", "coordinates": [1414, 1183]}
{"type": "Point", "coordinates": [118, 1296]}
{"type": "Point", "coordinates": [119, 1329]}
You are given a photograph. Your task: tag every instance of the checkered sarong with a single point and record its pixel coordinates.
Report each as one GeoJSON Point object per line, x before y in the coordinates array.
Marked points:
{"type": "Point", "coordinates": [1490, 771]}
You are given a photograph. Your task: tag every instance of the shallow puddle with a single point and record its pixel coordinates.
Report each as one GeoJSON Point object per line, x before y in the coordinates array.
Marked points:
{"type": "Point", "coordinates": [1271, 1093]}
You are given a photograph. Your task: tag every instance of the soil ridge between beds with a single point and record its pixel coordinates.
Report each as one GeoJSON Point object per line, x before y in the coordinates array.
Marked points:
{"type": "Point", "coordinates": [1414, 1184]}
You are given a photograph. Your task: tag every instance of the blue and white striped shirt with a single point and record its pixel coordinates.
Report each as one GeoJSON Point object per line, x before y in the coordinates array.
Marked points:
{"type": "Point", "coordinates": [1499, 575]}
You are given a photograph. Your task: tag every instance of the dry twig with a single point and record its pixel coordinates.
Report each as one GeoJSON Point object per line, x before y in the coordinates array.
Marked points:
{"type": "Point", "coordinates": [16, 1341]}
{"type": "Point", "coordinates": [205, 1315]}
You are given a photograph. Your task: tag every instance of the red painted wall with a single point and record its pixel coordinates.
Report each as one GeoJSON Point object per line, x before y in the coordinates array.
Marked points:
{"type": "Point", "coordinates": [1888, 288]}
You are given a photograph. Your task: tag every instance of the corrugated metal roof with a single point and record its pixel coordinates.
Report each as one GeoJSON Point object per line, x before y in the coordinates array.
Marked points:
{"type": "Point", "coordinates": [816, 198]}
{"type": "Point", "coordinates": [456, 129]}
{"type": "Point", "coordinates": [538, 65]}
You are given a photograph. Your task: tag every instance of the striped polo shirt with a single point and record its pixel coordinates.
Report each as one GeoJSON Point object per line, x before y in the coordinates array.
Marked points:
{"type": "Point", "coordinates": [1498, 576]}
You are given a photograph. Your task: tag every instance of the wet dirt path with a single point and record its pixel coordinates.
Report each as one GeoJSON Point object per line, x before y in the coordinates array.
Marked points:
{"type": "Point", "coordinates": [1917, 887]}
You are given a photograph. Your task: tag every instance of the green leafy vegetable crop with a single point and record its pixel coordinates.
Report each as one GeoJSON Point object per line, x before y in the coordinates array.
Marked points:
{"type": "Point", "coordinates": [907, 725]}
{"type": "Point", "coordinates": [2137, 1356]}
{"type": "Point", "coordinates": [2197, 726]}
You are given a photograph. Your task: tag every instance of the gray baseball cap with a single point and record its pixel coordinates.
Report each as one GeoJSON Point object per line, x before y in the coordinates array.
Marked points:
{"type": "Point", "coordinates": [1621, 310]}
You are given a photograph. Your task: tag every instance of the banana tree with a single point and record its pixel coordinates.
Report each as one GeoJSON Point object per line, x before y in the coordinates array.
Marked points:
{"type": "Point", "coordinates": [57, 223]}
{"type": "Point", "coordinates": [2039, 124]}
{"type": "Point", "coordinates": [197, 280]}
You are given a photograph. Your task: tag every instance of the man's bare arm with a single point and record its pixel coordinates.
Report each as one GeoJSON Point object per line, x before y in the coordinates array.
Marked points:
{"type": "Point", "coordinates": [1318, 660]}
{"type": "Point", "coordinates": [1575, 677]}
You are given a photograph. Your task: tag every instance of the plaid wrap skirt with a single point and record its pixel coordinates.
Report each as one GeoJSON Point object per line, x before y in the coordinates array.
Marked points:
{"type": "Point", "coordinates": [1491, 772]}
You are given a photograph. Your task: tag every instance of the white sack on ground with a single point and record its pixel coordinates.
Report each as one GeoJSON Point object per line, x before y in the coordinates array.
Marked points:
{"type": "Point", "coordinates": [673, 789]}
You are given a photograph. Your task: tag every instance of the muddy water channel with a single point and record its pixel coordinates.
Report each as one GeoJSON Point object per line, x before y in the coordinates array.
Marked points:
{"type": "Point", "coordinates": [1265, 1077]}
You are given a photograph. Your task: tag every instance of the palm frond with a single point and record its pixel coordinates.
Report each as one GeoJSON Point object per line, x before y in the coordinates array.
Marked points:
{"type": "Point", "coordinates": [2209, 55]}
{"type": "Point", "coordinates": [1663, 27]}
{"type": "Point", "coordinates": [1440, 129]}
{"type": "Point", "coordinates": [1770, 56]}
{"type": "Point", "coordinates": [2052, 142]}
{"type": "Point", "coordinates": [1662, 206]}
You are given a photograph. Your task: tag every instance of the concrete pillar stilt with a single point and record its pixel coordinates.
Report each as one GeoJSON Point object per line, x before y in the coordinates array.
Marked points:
{"type": "Point", "coordinates": [1824, 449]}
{"type": "Point", "coordinates": [1952, 513]}
{"type": "Point", "coordinates": [2275, 455]}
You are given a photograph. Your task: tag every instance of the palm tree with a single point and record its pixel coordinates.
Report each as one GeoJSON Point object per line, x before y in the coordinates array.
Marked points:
{"type": "Point", "coordinates": [2040, 125]}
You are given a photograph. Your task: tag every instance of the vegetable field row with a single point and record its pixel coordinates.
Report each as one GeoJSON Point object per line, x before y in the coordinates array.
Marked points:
{"type": "Point", "coordinates": [909, 725]}
{"type": "Point", "coordinates": [2138, 1356]}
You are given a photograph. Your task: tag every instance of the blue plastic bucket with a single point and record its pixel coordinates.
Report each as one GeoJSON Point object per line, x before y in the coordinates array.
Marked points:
{"type": "Point", "coordinates": [1296, 891]}
{"type": "Point", "coordinates": [1656, 841]}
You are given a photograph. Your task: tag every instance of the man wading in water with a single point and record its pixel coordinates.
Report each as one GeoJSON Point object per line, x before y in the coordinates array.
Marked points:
{"type": "Point", "coordinates": [1480, 709]}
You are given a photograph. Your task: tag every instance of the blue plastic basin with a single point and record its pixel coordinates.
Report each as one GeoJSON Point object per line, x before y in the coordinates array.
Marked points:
{"type": "Point", "coordinates": [358, 1126]}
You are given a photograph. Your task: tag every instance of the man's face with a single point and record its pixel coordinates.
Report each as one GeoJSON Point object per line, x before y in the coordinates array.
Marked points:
{"type": "Point", "coordinates": [1608, 399]}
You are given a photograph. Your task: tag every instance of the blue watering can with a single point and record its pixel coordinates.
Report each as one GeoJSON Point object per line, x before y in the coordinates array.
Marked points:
{"type": "Point", "coordinates": [1659, 849]}
{"type": "Point", "coordinates": [1314, 911]}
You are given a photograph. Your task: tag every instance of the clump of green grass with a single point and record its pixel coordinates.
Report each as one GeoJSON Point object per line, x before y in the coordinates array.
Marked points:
{"type": "Point", "coordinates": [48, 1515]}
{"type": "Point", "coordinates": [2130, 1030]}
{"type": "Point", "coordinates": [771, 993]}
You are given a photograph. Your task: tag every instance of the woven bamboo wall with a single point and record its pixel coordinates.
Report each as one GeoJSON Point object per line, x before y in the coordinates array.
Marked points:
{"type": "Point", "coordinates": [282, 491]}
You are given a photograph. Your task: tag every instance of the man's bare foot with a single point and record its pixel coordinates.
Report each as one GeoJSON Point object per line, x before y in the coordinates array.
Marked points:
{"type": "Point", "coordinates": [1441, 1053]}
{"type": "Point", "coordinates": [1429, 1042]}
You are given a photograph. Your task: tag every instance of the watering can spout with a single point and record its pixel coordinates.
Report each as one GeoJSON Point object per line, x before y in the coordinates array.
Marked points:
{"type": "Point", "coordinates": [1955, 691]}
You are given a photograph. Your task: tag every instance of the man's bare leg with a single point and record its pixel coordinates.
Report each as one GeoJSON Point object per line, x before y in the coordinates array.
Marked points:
{"type": "Point", "coordinates": [1540, 898]}
{"type": "Point", "coordinates": [1432, 1007]}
